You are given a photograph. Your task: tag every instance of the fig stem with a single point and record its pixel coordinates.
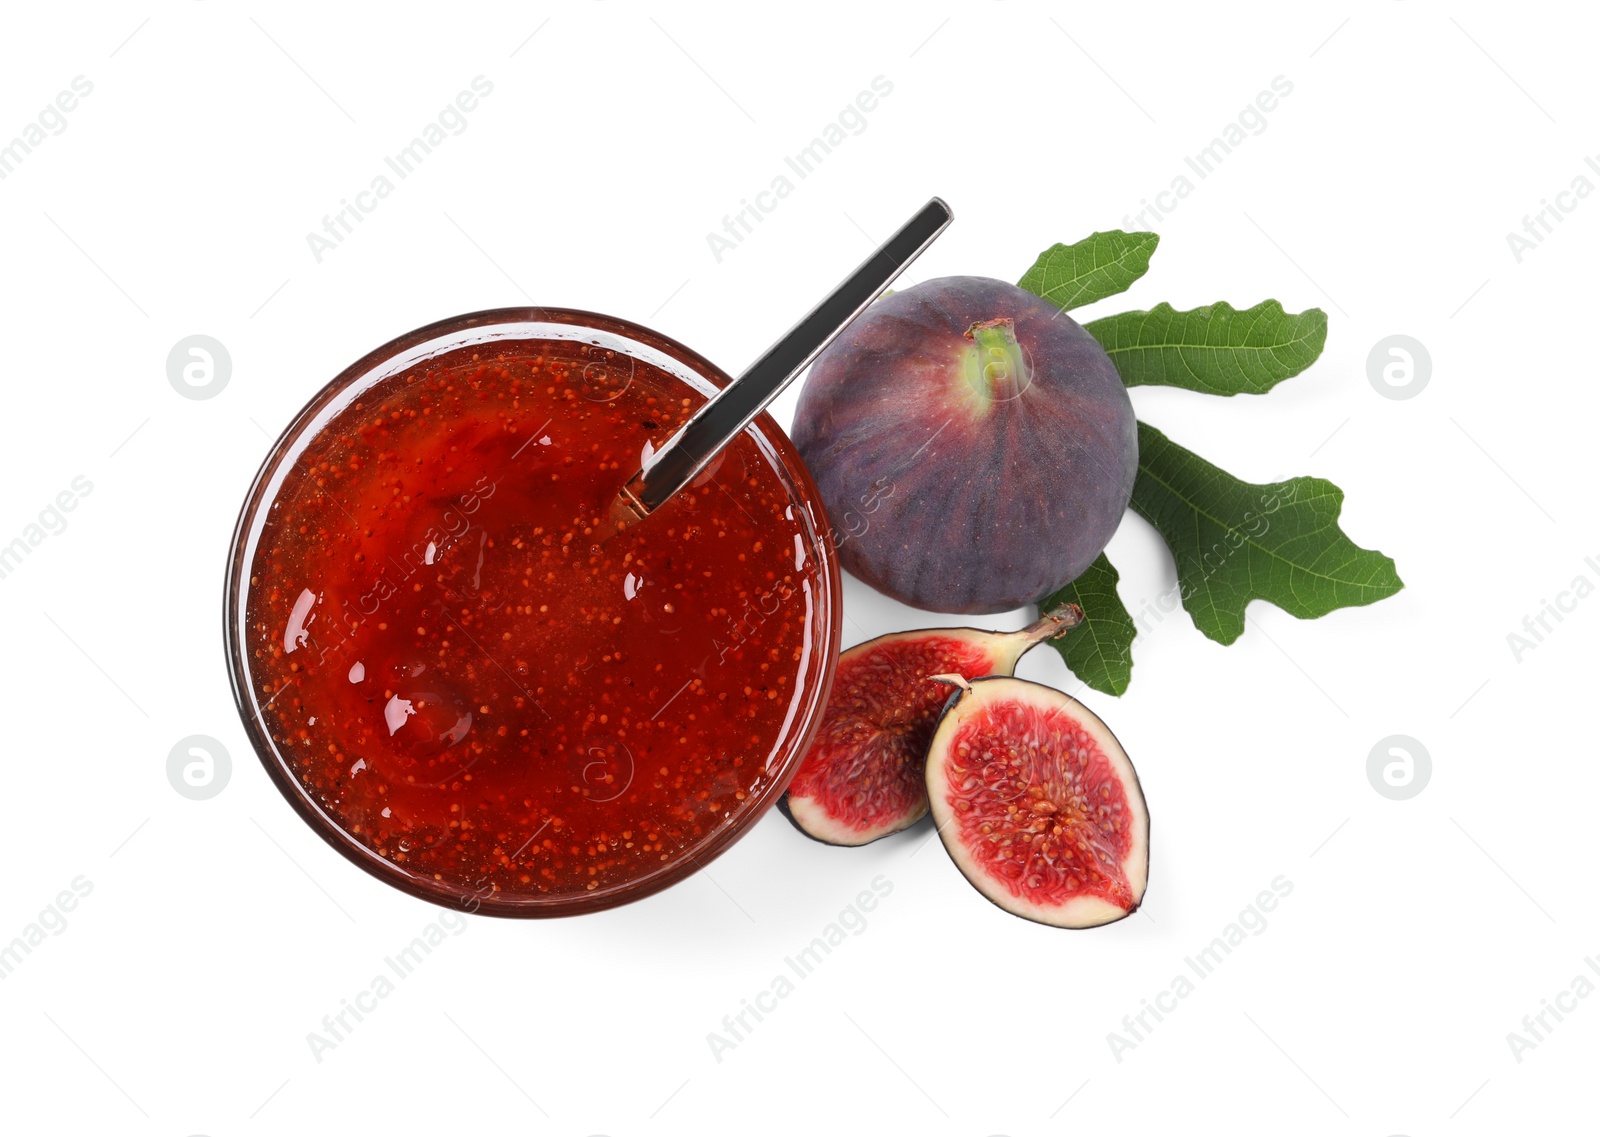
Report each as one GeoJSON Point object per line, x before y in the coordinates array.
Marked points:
{"type": "Point", "coordinates": [1000, 360]}
{"type": "Point", "coordinates": [1058, 621]}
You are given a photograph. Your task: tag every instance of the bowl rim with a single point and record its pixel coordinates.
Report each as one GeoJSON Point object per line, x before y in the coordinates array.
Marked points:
{"type": "Point", "coordinates": [824, 546]}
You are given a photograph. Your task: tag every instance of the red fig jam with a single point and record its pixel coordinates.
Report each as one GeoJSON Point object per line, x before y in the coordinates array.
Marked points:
{"type": "Point", "coordinates": [470, 682]}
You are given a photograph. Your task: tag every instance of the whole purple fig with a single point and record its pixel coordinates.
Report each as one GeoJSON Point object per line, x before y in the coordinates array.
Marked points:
{"type": "Point", "coordinates": [973, 444]}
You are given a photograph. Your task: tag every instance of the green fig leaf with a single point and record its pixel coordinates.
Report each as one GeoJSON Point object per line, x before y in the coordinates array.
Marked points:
{"type": "Point", "coordinates": [1101, 265]}
{"type": "Point", "coordinates": [1100, 650]}
{"type": "Point", "coordinates": [1235, 542]}
{"type": "Point", "coordinates": [1217, 350]}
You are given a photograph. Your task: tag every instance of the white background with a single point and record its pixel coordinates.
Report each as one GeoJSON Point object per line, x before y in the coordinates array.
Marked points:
{"type": "Point", "coordinates": [218, 933]}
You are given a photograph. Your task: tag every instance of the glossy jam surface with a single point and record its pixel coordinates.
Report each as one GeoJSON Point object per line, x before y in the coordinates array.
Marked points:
{"type": "Point", "coordinates": [464, 678]}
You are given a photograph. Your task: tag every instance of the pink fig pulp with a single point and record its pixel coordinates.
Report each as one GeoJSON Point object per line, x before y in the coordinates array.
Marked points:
{"type": "Point", "coordinates": [863, 776]}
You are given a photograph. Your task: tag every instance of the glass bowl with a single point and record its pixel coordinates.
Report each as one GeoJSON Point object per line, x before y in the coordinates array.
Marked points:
{"type": "Point", "coordinates": [254, 659]}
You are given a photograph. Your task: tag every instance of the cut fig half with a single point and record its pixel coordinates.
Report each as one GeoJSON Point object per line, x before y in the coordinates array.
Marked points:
{"type": "Point", "coordinates": [1037, 803]}
{"type": "Point", "coordinates": [862, 778]}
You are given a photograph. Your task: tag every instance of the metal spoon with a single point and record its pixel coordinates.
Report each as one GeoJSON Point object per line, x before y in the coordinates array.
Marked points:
{"type": "Point", "coordinates": [721, 420]}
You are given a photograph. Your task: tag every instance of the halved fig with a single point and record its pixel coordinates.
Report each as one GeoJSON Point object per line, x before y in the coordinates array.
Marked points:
{"type": "Point", "coordinates": [1037, 803]}
{"type": "Point", "coordinates": [862, 778]}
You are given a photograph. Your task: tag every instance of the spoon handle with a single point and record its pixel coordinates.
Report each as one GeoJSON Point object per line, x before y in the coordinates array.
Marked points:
{"type": "Point", "coordinates": [720, 420]}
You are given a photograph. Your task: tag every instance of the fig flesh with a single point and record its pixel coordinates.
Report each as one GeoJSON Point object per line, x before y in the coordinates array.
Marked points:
{"type": "Point", "coordinates": [862, 778]}
{"type": "Point", "coordinates": [973, 444]}
{"type": "Point", "coordinates": [1037, 803]}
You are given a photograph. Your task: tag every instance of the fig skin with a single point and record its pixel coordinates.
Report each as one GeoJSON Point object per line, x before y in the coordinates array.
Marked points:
{"type": "Point", "coordinates": [973, 444]}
